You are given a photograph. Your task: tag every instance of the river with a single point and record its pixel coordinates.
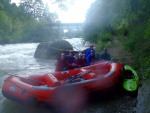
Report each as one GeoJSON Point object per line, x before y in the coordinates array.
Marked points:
{"type": "Point", "coordinates": [19, 59]}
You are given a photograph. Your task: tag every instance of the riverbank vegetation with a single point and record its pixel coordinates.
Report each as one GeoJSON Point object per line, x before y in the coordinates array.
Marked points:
{"type": "Point", "coordinates": [128, 21]}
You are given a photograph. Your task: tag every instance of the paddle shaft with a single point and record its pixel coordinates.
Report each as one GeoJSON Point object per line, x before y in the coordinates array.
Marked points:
{"type": "Point", "coordinates": [74, 77]}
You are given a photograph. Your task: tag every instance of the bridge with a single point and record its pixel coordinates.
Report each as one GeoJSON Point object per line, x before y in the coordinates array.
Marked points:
{"type": "Point", "coordinates": [66, 25]}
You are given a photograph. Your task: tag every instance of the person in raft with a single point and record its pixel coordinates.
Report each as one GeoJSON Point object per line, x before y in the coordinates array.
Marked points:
{"type": "Point", "coordinates": [70, 60]}
{"type": "Point", "coordinates": [61, 64]}
{"type": "Point", "coordinates": [105, 55]}
{"type": "Point", "coordinates": [97, 58]}
{"type": "Point", "coordinates": [90, 58]}
{"type": "Point", "coordinates": [89, 50]}
{"type": "Point", "coordinates": [80, 62]}
{"type": "Point", "coordinates": [84, 58]}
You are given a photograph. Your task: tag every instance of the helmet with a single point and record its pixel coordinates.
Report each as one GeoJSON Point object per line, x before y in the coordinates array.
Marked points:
{"type": "Point", "coordinates": [83, 54]}
{"type": "Point", "coordinates": [105, 49]}
{"type": "Point", "coordinates": [71, 51]}
{"type": "Point", "coordinates": [96, 53]}
{"type": "Point", "coordinates": [80, 54]}
{"type": "Point", "coordinates": [91, 45]}
{"type": "Point", "coordinates": [62, 54]}
{"type": "Point", "coordinates": [91, 51]}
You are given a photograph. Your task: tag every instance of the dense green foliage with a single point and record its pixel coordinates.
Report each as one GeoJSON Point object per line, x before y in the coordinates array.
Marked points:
{"type": "Point", "coordinates": [129, 21]}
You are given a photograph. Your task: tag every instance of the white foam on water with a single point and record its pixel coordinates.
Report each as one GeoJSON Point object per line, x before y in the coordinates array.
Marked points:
{"type": "Point", "coordinates": [77, 43]}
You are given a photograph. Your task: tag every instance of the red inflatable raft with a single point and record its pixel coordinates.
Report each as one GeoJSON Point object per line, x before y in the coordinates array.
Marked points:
{"type": "Point", "coordinates": [43, 88]}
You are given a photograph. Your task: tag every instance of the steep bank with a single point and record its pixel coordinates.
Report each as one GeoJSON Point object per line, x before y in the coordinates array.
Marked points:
{"type": "Point", "coordinates": [119, 54]}
{"type": "Point", "coordinates": [143, 98]}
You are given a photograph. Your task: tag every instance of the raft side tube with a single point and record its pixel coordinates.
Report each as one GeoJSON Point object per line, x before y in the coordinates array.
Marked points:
{"type": "Point", "coordinates": [52, 81]}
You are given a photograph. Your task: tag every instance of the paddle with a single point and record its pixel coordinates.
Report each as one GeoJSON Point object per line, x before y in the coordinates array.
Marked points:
{"type": "Point", "coordinates": [76, 77]}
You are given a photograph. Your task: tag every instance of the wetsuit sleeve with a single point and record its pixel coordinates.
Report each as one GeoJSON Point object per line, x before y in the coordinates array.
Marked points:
{"type": "Point", "coordinates": [109, 58]}
{"type": "Point", "coordinates": [87, 52]}
{"type": "Point", "coordinates": [101, 56]}
{"type": "Point", "coordinates": [77, 62]}
{"type": "Point", "coordinates": [84, 62]}
{"type": "Point", "coordinates": [73, 60]}
{"type": "Point", "coordinates": [88, 60]}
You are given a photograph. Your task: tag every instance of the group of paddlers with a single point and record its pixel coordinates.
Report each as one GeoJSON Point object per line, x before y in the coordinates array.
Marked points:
{"type": "Point", "coordinates": [67, 62]}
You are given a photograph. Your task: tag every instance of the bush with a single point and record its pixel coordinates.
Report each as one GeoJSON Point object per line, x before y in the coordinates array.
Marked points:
{"type": "Point", "coordinates": [139, 45]}
{"type": "Point", "coordinates": [104, 36]}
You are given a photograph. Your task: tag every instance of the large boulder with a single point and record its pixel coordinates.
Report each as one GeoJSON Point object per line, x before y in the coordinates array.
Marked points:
{"type": "Point", "coordinates": [52, 49]}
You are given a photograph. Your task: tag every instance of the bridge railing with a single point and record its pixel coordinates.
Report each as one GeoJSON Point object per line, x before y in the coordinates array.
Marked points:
{"type": "Point", "coordinates": [66, 25]}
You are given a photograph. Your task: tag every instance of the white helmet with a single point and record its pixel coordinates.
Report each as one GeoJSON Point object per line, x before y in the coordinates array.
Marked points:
{"type": "Point", "coordinates": [80, 54]}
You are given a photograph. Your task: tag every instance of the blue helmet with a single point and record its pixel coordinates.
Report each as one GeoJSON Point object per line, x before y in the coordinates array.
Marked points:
{"type": "Point", "coordinates": [96, 53]}
{"type": "Point", "coordinates": [92, 51]}
{"type": "Point", "coordinates": [83, 54]}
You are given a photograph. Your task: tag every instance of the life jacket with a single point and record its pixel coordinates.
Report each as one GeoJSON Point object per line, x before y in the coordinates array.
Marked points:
{"type": "Point", "coordinates": [88, 51]}
{"type": "Point", "coordinates": [89, 59]}
{"type": "Point", "coordinates": [61, 64]}
{"type": "Point", "coordinates": [70, 60]}
{"type": "Point", "coordinates": [80, 62]}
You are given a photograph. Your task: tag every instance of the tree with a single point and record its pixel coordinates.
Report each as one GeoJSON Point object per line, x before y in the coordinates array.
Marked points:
{"type": "Point", "coordinates": [128, 17]}
{"type": "Point", "coordinates": [5, 27]}
{"type": "Point", "coordinates": [28, 21]}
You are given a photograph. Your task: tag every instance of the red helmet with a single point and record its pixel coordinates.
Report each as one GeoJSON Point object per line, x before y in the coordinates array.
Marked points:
{"type": "Point", "coordinates": [91, 45]}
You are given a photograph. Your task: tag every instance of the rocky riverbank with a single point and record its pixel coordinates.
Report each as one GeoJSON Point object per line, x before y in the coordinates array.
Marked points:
{"type": "Point", "coordinates": [142, 102]}
{"type": "Point", "coordinates": [143, 98]}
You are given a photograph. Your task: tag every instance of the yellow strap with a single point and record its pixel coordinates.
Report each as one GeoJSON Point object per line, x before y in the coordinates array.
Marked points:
{"type": "Point", "coordinates": [138, 82]}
